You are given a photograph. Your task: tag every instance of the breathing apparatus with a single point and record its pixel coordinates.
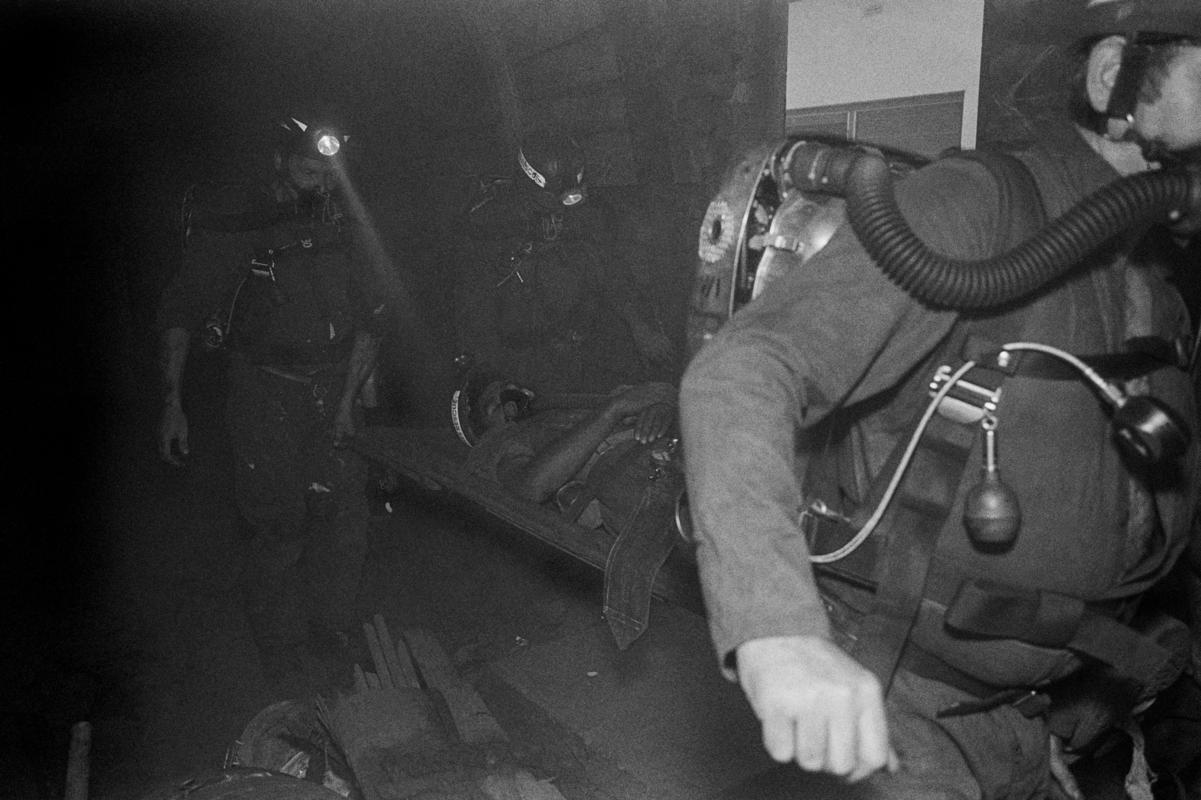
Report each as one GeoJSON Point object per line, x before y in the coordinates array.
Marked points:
{"type": "Point", "coordinates": [554, 163]}
{"type": "Point", "coordinates": [782, 204]}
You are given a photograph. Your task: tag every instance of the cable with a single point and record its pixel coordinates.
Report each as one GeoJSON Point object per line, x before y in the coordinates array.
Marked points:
{"type": "Point", "coordinates": [869, 526]}
{"type": "Point", "coordinates": [1113, 394]}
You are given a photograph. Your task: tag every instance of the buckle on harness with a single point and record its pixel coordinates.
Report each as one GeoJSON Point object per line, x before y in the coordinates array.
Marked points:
{"type": "Point", "coordinates": [966, 403]}
{"type": "Point", "coordinates": [264, 268]}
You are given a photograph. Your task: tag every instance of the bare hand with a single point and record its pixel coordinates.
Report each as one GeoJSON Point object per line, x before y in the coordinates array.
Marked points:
{"type": "Point", "coordinates": [344, 428]}
{"type": "Point", "coordinates": [172, 434]}
{"type": "Point", "coordinates": [1061, 772]}
{"type": "Point", "coordinates": [654, 422]}
{"type": "Point", "coordinates": [817, 706]}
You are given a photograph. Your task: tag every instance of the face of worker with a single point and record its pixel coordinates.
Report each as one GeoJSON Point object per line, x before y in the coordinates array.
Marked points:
{"type": "Point", "coordinates": [1172, 122]}
{"type": "Point", "coordinates": [504, 402]}
{"type": "Point", "coordinates": [311, 175]}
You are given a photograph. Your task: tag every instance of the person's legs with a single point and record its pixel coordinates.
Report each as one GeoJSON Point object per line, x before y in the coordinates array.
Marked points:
{"type": "Point", "coordinates": [338, 517]}
{"type": "Point", "coordinates": [992, 755]}
{"type": "Point", "coordinates": [268, 489]}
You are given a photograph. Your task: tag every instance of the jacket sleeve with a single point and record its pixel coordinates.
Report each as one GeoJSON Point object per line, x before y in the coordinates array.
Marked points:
{"type": "Point", "coordinates": [830, 334]}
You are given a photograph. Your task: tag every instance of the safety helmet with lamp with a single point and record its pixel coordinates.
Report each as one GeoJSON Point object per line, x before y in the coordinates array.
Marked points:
{"type": "Point", "coordinates": [313, 140]}
{"type": "Point", "coordinates": [554, 163]}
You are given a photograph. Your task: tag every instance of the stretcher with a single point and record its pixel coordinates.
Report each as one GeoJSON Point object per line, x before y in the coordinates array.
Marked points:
{"type": "Point", "coordinates": [431, 460]}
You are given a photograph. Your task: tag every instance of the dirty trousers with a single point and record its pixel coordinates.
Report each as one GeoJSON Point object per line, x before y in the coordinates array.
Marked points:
{"type": "Point", "coordinates": [304, 501]}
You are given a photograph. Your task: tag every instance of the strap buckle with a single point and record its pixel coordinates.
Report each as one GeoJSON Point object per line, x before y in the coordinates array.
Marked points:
{"type": "Point", "coordinates": [966, 403]}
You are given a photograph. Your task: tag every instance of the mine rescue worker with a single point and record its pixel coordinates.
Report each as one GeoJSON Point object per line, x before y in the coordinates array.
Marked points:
{"type": "Point", "coordinates": [542, 278]}
{"type": "Point", "coordinates": [608, 462]}
{"type": "Point", "coordinates": [791, 410]}
{"type": "Point", "coordinates": [276, 275]}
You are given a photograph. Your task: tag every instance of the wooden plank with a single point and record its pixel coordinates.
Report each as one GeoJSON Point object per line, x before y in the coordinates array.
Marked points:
{"type": "Point", "coordinates": [471, 716]}
{"type": "Point", "coordinates": [377, 656]}
{"type": "Point", "coordinates": [397, 656]}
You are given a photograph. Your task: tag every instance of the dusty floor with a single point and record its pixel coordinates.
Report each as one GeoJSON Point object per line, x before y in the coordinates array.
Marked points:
{"type": "Point", "coordinates": [151, 646]}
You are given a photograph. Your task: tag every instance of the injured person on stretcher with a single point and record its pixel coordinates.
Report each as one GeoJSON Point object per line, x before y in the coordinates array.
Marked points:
{"type": "Point", "coordinates": [607, 462]}
{"type": "Point", "coordinates": [599, 476]}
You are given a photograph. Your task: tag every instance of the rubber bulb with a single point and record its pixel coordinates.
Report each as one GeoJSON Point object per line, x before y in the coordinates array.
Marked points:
{"type": "Point", "coordinates": [991, 513]}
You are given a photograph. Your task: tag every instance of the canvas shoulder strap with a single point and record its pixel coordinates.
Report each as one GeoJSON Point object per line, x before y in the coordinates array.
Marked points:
{"type": "Point", "coordinates": [928, 492]}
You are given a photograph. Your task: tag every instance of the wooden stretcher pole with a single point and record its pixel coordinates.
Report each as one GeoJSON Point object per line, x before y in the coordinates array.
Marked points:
{"type": "Point", "coordinates": [569, 400]}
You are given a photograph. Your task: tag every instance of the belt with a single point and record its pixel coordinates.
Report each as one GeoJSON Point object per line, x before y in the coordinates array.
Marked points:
{"type": "Point", "coordinates": [1027, 701]}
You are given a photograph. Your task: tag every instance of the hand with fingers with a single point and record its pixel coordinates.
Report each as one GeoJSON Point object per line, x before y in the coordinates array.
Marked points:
{"type": "Point", "coordinates": [817, 706]}
{"type": "Point", "coordinates": [343, 427]}
{"type": "Point", "coordinates": [173, 434]}
{"type": "Point", "coordinates": [651, 405]}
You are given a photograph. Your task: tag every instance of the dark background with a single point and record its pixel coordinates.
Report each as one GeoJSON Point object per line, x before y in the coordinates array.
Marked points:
{"type": "Point", "coordinates": [113, 109]}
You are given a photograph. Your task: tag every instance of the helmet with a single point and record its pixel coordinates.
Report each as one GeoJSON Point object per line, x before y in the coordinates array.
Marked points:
{"type": "Point", "coordinates": [554, 162]}
{"type": "Point", "coordinates": [312, 139]}
{"type": "Point", "coordinates": [1054, 20]}
{"type": "Point", "coordinates": [467, 411]}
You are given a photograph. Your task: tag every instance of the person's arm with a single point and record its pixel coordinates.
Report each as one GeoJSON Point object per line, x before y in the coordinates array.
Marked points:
{"type": "Point", "coordinates": [540, 477]}
{"type": "Point", "coordinates": [363, 356]}
{"type": "Point", "coordinates": [173, 424]}
{"type": "Point", "coordinates": [742, 398]}
{"type": "Point", "coordinates": [826, 336]}
{"type": "Point", "coordinates": [212, 266]}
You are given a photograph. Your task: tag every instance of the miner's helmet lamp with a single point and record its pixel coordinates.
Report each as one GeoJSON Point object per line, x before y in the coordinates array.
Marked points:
{"type": "Point", "coordinates": [310, 139]}
{"type": "Point", "coordinates": [553, 163]}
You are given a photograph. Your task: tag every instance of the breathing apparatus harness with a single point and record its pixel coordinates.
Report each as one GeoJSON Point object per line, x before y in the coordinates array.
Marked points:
{"type": "Point", "coordinates": [319, 206]}
{"type": "Point", "coordinates": [794, 183]}
{"type": "Point", "coordinates": [787, 200]}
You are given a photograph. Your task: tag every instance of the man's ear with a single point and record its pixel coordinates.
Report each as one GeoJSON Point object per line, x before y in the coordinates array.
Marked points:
{"type": "Point", "coordinates": [279, 160]}
{"type": "Point", "coordinates": [1104, 63]}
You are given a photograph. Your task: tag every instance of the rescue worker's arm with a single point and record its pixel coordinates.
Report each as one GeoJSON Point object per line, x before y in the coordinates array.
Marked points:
{"type": "Point", "coordinates": [173, 424]}
{"type": "Point", "coordinates": [540, 477]}
{"type": "Point", "coordinates": [830, 334]}
{"type": "Point", "coordinates": [362, 360]}
{"type": "Point", "coordinates": [213, 264]}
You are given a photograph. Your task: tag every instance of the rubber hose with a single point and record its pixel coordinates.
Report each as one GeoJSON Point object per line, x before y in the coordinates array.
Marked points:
{"type": "Point", "coordinates": [987, 283]}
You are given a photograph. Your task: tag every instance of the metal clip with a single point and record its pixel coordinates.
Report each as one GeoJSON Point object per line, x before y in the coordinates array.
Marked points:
{"type": "Point", "coordinates": [966, 403]}
{"type": "Point", "coordinates": [263, 269]}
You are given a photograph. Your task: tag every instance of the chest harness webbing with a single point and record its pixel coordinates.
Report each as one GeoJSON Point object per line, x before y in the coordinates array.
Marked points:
{"type": "Point", "coordinates": [898, 565]}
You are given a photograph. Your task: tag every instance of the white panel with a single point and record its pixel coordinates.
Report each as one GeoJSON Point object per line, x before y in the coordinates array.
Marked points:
{"type": "Point", "coordinates": [848, 51]}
